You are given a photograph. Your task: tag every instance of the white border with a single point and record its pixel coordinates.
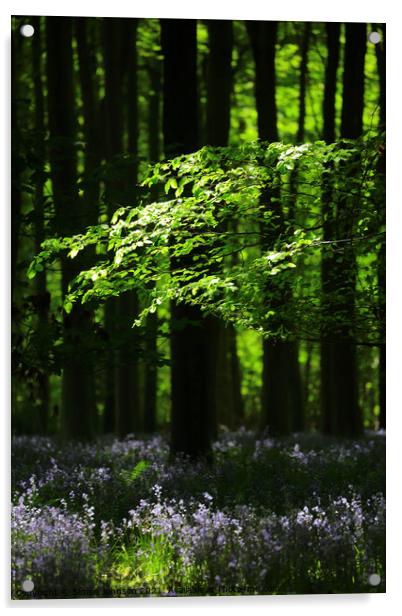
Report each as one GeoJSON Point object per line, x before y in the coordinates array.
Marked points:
{"type": "Point", "coordinates": [292, 10]}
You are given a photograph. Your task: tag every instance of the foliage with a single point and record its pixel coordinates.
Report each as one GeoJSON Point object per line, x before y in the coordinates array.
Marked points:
{"type": "Point", "coordinates": [202, 246]}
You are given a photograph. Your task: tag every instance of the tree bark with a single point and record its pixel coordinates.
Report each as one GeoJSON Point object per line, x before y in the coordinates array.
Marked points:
{"type": "Point", "coordinates": [333, 31]}
{"type": "Point", "coordinates": [297, 398]}
{"type": "Point", "coordinates": [78, 404]}
{"type": "Point", "coordinates": [304, 49]}
{"type": "Point", "coordinates": [263, 40]}
{"type": "Point", "coordinates": [128, 407]}
{"type": "Point", "coordinates": [16, 198]}
{"type": "Point", "coordinates": [219, 81]}
{"type": "Point", "coordinates": [281, 389]}
{"type": "Point", "coordinates": [224, 379]}
{"type": "Point", "coordinates": [380, 53]}
{"type": "Point", "coordinates": [151, 328]}
{"type": "Point", "coordinates": [122, 382]}
{"type": "Point", "coordinates": [39, 227]}
{"type": "Point", "coordinates": [113, 145]}
{"type": "Point", "coordinates": [327, 356]}
{"type": "Point", "coordinates": [191, 421]}
{"type": "Point", "coordinates": [92, 116]}
{"type": "Point", "coordinates": [339, 368]}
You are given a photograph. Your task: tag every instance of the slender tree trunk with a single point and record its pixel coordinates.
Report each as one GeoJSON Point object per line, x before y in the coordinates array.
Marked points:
{"type": "Point", "coordinates": [281, 390]}
{"type": "Point", "coordinates": [219, 81]}
{"type": "Point", "coordinates": [91, 111]}
{"type": "Point", "coordinates": [113, 145]}
{"type": "Point", "coordinates": [225, 392]}
{"type": "Point", "coordinates": [353, 81]}
{"type": "Point", "coordinates": [43, 297]}
{"type": "Point", "coordinates": [351, 420]}
{"type": "Point", "coordinates": [85, 37]}
{"type": "Point", "coordinates": [333, 32]}
{"type": "Point", "coordinates": [191, 420]}
{"type": "Point", "coordinates": [307, 374]}
{"type": "Point", "coordinates": [128, 386]}
{"type": "Point", "coordinates": [150, 377]}
{"type": "Point", "coordinates": [343, 415]}
{"type": "Point", "coordinates": [78, 404]}
{"type": "Point", "coordinates": [121, 404]}
{"type": "Point", "coordinates": [16, 198]}
{"type": "Point", "coordinates": [380, 53]}
{"type": "Point", "coordinates": [297, 398]}
{"type": "Point", "coordinates": [327, 357]}
{"type": "Point", "coordinates": [263, 40]}
{"type": "Point", "coordinates": [236, 377]}
{"type": "Point", "coordinates": [304, 49]}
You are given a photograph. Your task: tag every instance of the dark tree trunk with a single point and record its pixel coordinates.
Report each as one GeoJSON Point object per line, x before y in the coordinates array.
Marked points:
{"type": "Point", "coordinates": [113, 145]}
{"type": "Point", "coordinates": [180, 127]}
{"type": "Point", "coordinates": [263, 40]}
{"type": "Point", "coordinates": [333, 31]}
{"type": "Point", "coordinates": [191, 422]}
{"type": "Point", "coordinates": [122, 386]}
{"type": "Point", "coordinates": [41, 287]}
{"type": "Point", "coordinates": [353, 81]}
{"type": "Point", "coordinates": [304, 49]}
{"type": "Point", "coordinates": [281, 389]}
{"type": "Point", "coordinates": [327, 358]}
{"type": "Point", "coordinates": [382, 316]}
{"type": "Point", "coordinates": [296, 394]}
{"type": "Point", "coordinates": [224, 379]}
{"type": "Point", "coordinates": [150, 377]}
{"type": "Point", "coordinates": [380, 52]}
{"type": "Point", "coordinates": [351, 420]}
{"type": "Point", "coordinates": [85, 37]}
{"type": "Point", "coordinates": [16, 198]}
{"type": "Point", "coordinates": [307, 374]}
{"type": "Point", "coordinates": [78, 404]}
{"type": "Point", "coordinates": [91, 112]}
{"type": "Point", "coordinates": [339, 376]}
{"type": "Point", "coordinates": [128, 386]}
{"type": "Point", "coordinates": [219, 81]}
{"type": "Point", "coordinates": [235, 373]}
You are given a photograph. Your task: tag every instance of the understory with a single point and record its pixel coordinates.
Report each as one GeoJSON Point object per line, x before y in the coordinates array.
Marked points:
{"type": "Point", "coordinates": [304, 514]}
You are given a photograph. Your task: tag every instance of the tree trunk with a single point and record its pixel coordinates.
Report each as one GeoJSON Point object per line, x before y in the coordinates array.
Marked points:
{"type": "Point", "coordinates": [41, 286]}
{"type": "Point", "coordinates": [16, 199]}
{"type": "Point", "coordinates": [191, 420]}
{"type": "Point", "coordinates": [304, 49]}
{"type": "Point", "coordinates": [333, 31]}
{"type": "Point", "coordinates": [297, 398]}
{"type": "Point", "coordinates": [128, 386]}
{"type": "Point", "coordinates": [263, 40]}
{"type": "Point", "coordinates": [151, 328]}
{"type": "Point", "coordinates": [327, 358]}
{"type": "Point", "coordinates": [380, 53]}
{"type": "Point", "coordinates": [85, 37]}
{"type": "Point", "coordinates": [351, 420]}
{"type": "Point", "coordinates": [122, 383]}
{"type": "Point", "coordinates": [224, 380]}
{"type": "Point", "coordinates": [219, 82]}
{"type": "Point", "coordinates": [339, 375]}
{"type": "Point", "coordinates": [235, 372]}
{"type": "Point", "coordinates": [281, 389]}
{"type": "Point", "coordinates": [78, 404]}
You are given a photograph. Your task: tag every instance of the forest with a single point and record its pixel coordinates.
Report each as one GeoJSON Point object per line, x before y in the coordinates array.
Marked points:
{"type": "Point", "coordinates": [198, 307]}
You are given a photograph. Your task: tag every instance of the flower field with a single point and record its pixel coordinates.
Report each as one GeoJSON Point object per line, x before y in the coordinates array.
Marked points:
{"type": "Point", "coordinates": [304, 514]}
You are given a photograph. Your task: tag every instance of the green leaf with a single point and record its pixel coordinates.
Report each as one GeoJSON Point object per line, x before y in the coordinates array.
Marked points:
{"type": "Point", "coordinates": [68, 306]}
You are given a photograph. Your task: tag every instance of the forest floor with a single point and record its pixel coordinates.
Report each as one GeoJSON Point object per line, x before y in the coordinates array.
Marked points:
{"type": "Point", "coordinates": [304, 514]}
